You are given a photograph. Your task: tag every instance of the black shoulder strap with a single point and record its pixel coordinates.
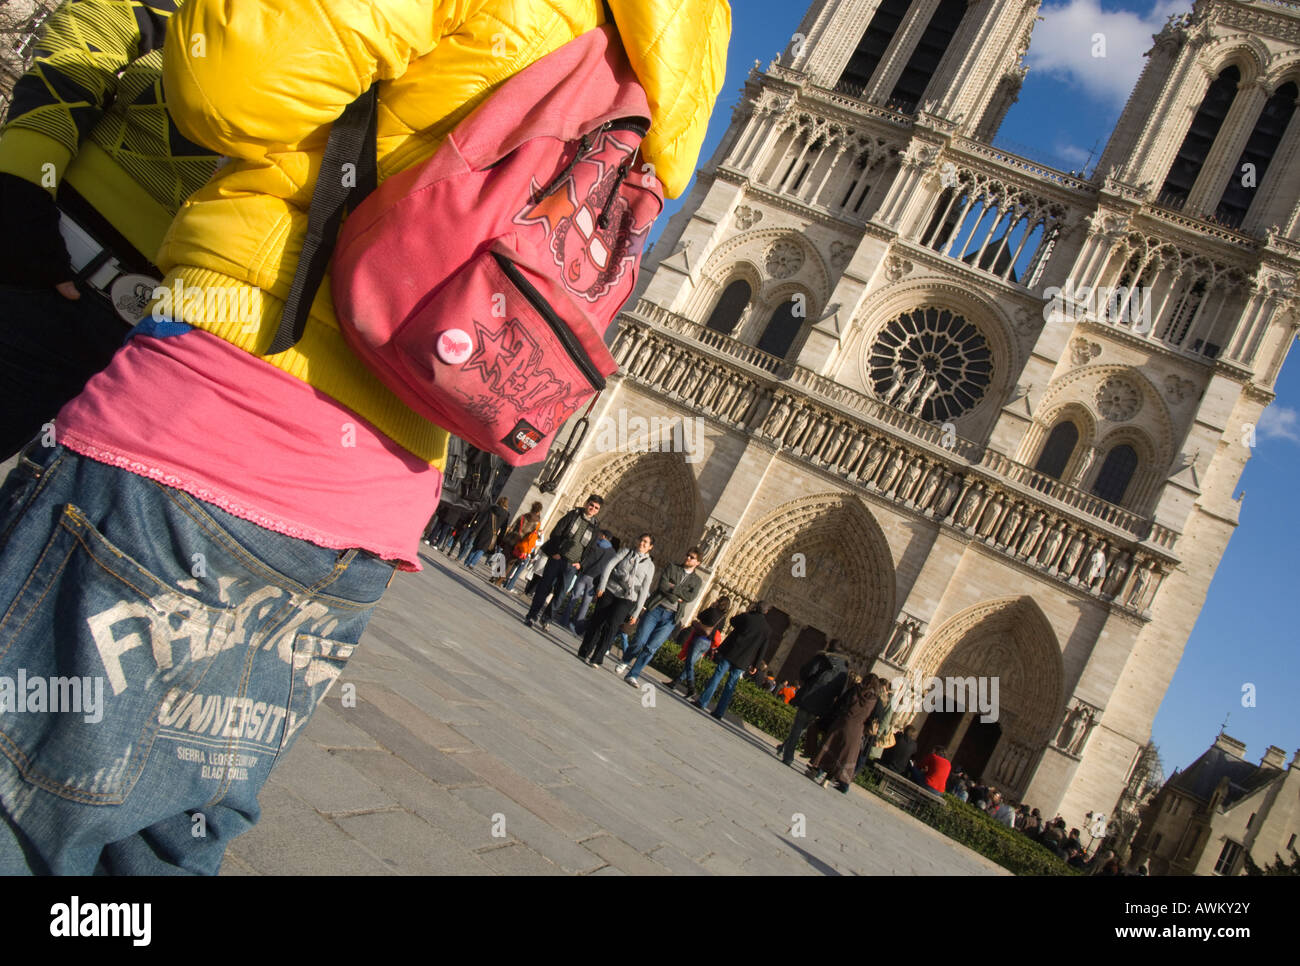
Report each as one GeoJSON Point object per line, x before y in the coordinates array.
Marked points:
{"type": "Point", "coordinates": [351, 142]}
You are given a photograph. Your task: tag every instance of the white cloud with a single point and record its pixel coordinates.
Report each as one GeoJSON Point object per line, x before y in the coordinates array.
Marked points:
{"type": "Point", "coordinates": [1279, 422]}
{"type": "Point", "coordinates": [1072, 153]}
{"type": "Point", "coordinates": [1063, 45]}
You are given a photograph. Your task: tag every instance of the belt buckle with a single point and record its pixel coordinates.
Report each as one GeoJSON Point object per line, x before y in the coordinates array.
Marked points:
{"type": "Point", "coordinates": [131, 294]}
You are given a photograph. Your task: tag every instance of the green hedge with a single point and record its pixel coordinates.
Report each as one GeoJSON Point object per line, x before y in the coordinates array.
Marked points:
{"type": "Point", "coordinates": [959, 821]}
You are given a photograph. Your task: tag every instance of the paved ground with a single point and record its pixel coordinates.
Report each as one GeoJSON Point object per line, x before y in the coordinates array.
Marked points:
{"type": "Point", "coordinates": [479, 746]}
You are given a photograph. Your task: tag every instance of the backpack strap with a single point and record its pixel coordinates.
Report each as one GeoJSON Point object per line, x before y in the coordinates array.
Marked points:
{"type": "Point", "coordinates": [352, 140]}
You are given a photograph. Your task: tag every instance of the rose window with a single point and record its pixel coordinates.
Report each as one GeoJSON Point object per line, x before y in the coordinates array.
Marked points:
{"type": "Point", "coordinates": [931, 362]}
{"type": "Point", "coordinates": [1118, 399]}
{"type": "Point", "coordinates": [784, 258]}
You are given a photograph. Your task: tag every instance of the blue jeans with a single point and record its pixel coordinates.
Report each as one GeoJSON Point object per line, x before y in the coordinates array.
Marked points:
{"type": "Point", "coordinates": [699, 645]}
{"type": "Point", "coordinates": [516, 568]}
{"type": "Point", "coordinates": [474, 557]}
{"type": "Point", "coordinates": [584, 591]}
{"type": "Point", "coordinates": [652, 630]}
{"type": "Point", "coordinates": [728, 689]}
{"type": "Point", "coordinates": [553, 578]}
{"type": "Point", "coordinates": [202, 642]}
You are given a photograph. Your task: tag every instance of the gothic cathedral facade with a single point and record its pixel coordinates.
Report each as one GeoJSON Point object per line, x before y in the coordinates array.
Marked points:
{"type": "Point", "coordinates": [972, 415]}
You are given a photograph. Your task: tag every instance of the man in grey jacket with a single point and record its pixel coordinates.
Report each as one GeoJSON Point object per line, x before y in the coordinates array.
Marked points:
{"type": "Point", "coordinates": [620, 595]}
{"type": "Point", "coordinates": [678, 585]}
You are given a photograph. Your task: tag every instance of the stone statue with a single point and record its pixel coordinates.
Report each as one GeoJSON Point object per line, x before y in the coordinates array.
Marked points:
{"type": "Point", "coordinates": [910, 477]}
{"type": "Point", "coordinates": [928, 487]}
{"type": "Point", "coordinates": [725, 396]}
{"type": "Point", "coordinates": [1085, 461]}
{"type": "Point", "coordinates": [693, 376]}
{"type": "Point", "coordinates": [642, 356]}
{"type": "Point", "coordinates": [854, 451]}
{"type": "Point", "coordinates": [674, 373]}
{"type": "Point", "coordinates": [1009, 527]}
{"type": "Point", "coordinates": [1139, 586]}
{"type": "Point", "coordinates": [1096, 571]}
{"type": "Point", "coordinates": [657, 367]}
{"type": "Point", "coordinates": [746, 399]}
{"type": "Point", "coordinates": [927, 390]}
{"type": "Point", "coordinates": [991, 514]}
{"type": "Point", "coordinates": [710, 386]}
{"type": "Point", "coordinates": [712, 543]}
{"type": "Point", "coordinates": [947, 497]}
{"type": "Point", "coordinates": [1071, 728]}
{"type": "Point", "coordinates": [968, 505]}
{"type": "Point", "coordinates": [776, 419]}
{"type": "Point", "coordinates": [831, 447]}
{"type": "Point", "coordinates": [1071, 556]}
{"type": "Point", "coordinates": [814, 437]}
{"type": "Point", "coordinates": [1089, 722]}
{"type": "Point", "coordinates": [796, 427]}
{"type": "Point", "coordinates": [1032, 531]}
{"type": "Point", "coordinates": [890, 472]}
{"type": "Point", "coordinates": [905, 400]}
{"type": "Point", "coordinates": [1118, 571]}
{"type": "Point", "coordinates": [874, 456]}
{"type": "Point", "coordinates": [1051, 544]}
{"type": "Point", "coordinates": [900, 377]}
{"type": "Point", "coordinates": [900, 645]}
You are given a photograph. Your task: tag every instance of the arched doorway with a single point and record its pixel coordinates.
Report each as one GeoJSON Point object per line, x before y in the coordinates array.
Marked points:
{"type": "Point", "coordinates": [653, 492]}
{"type": "Point", "coordinates": [824, 561]}
{"type": "Point", "coordinates": [1004, 655]}
{"type": "Point", "coordinates": [809, 642]}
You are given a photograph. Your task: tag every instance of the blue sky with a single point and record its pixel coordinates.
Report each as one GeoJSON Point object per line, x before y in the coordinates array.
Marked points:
{"type": "Point", "coordinates": [1246, 633]}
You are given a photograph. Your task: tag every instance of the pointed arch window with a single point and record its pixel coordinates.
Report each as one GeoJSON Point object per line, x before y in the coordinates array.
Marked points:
{"type": "Point", "coordinates": [871, 48]}
{"type": "Point", "coordinates": [781, 330]}
{"type": "Point", "coordinates": [1259, 151]}
{"type": "Point", "coordinates": [1057, 450]}
{"type": "Point", "coordinates": [1116, 473]}
{"type": "Point", "coordinates": [725, 315]}
{"type": "Point", "coordinates": [925, 58]}
{"type": "Point", "coordinates": [1200, 138]}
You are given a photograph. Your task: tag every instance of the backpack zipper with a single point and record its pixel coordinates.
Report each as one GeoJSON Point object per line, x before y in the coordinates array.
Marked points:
{"type": "Point", "coordinates": [567, 339]}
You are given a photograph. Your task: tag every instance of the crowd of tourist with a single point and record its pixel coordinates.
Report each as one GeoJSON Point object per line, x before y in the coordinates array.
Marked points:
{"type": "Point", "coordinates": [584, 580]}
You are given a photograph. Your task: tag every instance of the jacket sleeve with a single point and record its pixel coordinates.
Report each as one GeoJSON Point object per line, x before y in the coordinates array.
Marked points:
{"type": "Point", "coordinates": [693, 584]}
{"type": "Point", "coordinates": [83, 47]}
{"type": "Point", "coordinates": [249, 78]}
{"type": "Point", "coordinates": [645, 592]}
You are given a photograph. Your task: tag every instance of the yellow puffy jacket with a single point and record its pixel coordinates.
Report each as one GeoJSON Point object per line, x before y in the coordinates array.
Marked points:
{"type": "Point", "coordinates": [260, 81]}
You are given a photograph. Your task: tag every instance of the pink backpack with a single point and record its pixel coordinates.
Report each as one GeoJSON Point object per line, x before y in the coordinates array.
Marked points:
{"type": "Point", "coordinates": [478, 285]}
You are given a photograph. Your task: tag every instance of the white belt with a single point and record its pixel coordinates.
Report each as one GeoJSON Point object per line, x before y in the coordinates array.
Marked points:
{"type": "Point", "coordinates": [129, 292]}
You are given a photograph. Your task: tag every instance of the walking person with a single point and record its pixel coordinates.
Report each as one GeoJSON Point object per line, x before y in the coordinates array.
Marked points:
{"type": "Point", "coordinates": [741, 651]}
{"type": "Point", "coordinates": [838, 756]}
{"type": "Point", "coordinates": [484, 536]}
{"type": "Point", "coordinates": [521, 540]}
{"type": "Point", "coordinates": [620, 595]}
{"type": "Point", "coordinates": [677, 586]}
{"type": "Point", "coordinates": [297, 478]}
{"type": "Point", "coordinates": [699, 639]}
{"type": "Point", "coordinates": [821, 681]}
{"type": "Point", "coordinates": [563, 552]}
{"type": "Point", "coordinates": [592, 565]}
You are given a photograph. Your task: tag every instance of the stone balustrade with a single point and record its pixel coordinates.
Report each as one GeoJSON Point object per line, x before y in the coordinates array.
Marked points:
{"type": "Point", "coordinates": [1058, 530]}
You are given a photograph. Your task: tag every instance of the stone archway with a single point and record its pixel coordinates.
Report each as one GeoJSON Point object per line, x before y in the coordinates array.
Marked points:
{"type": "Point", "coordinates": [824, 561]}
{"type": "Point", "coordinates": [1009, 639]}
{"type": "Point", "coordinates": [647, 491]}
